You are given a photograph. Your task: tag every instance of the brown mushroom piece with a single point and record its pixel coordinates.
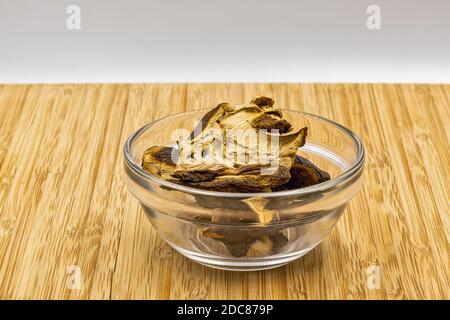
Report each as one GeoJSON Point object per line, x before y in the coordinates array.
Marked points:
{"type": "Point", "coordinates": [249, 242]}
{"type": "Point", "coordinates": [160, 161]}
{"type": "Point", "coordinates": [303, 174]}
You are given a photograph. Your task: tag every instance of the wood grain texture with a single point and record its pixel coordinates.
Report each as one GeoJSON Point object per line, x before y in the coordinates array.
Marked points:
{"type": "Point", "coordinates": [61, 206]}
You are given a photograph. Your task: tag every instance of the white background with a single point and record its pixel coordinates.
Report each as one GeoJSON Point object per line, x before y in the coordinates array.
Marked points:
{"type": "Point", "coordinates": [227, 40]}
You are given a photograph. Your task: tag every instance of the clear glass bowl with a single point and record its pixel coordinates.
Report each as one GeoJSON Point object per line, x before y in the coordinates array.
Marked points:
{"type": "Point", "coordinates": [184, 217]}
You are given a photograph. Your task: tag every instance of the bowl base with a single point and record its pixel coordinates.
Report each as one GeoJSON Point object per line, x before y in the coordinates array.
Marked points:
{"type": "Point", "coordinates": [235, 264]}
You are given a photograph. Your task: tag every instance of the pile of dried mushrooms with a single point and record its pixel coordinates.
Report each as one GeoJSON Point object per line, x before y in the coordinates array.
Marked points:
{"type": "Point", "coordinates": [238, 166]}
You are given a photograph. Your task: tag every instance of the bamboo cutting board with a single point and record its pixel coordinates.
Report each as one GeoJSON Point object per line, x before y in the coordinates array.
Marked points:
{"type": "Point", "coordinates": [69, 229]}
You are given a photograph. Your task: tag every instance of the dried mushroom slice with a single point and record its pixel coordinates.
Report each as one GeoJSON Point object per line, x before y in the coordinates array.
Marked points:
{"type": "Point", "coordinates": [279, 242]}
{"type": "Point", "coordinates": [258, 205]}
{"type": "Point", "coordinates": [211, 117]}
{"type": "Point", "coordinates": [243, 117]}
{"type": "Point", "coordinates": [236, 183]}
{"type": "Point", "coordinates": [262, 101]}
{"type": "Point", "coordinates": [237, 241]}
{"type": "Point", "coordinates": [260, 247]}
{"type": "Point", "coordinates": [158, 161]}
{"type": "Point", "coordinates": [303, 174]}
{"type": "Point", "coordinates": [323, 176]}
{"type": "Point", "coordinates": [269, 122]}
{"type": "Point", "coordinates": [289, 145]}
{"type": "Point", "coordinates": [248, 242]}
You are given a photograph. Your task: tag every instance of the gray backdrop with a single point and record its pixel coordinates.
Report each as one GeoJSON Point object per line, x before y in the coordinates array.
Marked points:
{"type": "Point", "coordinates": [227, 40]}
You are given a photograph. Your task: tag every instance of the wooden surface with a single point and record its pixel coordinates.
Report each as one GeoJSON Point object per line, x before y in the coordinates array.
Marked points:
{"type": "Point", "coordinates": [63, 202]}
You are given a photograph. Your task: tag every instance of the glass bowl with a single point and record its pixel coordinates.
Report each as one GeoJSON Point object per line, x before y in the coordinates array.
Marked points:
{"type": "Point", "coordinates": [186, 217]}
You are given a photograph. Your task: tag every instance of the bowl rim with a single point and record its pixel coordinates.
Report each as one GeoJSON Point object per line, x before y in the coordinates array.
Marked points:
{"type": "Point", "coordinates": [317, 188]}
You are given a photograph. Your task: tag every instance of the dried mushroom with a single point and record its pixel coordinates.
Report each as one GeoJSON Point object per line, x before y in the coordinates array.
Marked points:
{"type": "Point", "coordinates": [247, 148]}
{"type": "Point", "coordinates": [158, 161]}
{"type": "Point", "coordinates": [303, 174]}
{"type": "Point", "coordinates": [248, 242]}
